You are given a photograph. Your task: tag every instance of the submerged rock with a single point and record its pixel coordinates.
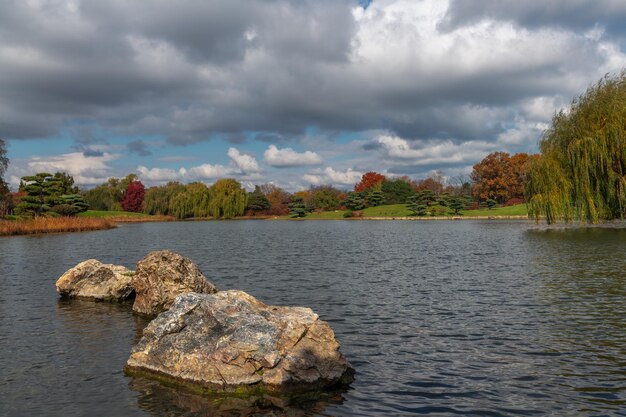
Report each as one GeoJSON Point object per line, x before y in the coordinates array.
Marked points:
{"type": "Point", "coordinates": [158, 399]}
{"type": "Point", "coordinates": [94, 280]}
{"type": "Point", "coordinates": [163, 275]}
{"type": "Point", "coordinates": [231, 341]}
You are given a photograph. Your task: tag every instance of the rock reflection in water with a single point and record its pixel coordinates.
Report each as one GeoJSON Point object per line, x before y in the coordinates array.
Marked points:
{"type": "Point", "coordinates": [93, 320]}
{"type": "Point", "coordinates": [161, 400]}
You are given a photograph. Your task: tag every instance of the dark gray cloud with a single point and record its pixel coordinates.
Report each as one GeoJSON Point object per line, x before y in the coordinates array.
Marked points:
{"type": "Point", "coordinates": [171, 68]}
{"type": "Point", "coordinates": [371, 145]}
{"type": "Point", "coordinates": [194, 70]}
{"type": "Point", "coordinates": [93, 153]}
{"type": "Point", "coordinates": [578, 15]}
{"type": "Point", "coordinates": [139, 147]}
{"type": "Point", "coordinates": [269, 137]}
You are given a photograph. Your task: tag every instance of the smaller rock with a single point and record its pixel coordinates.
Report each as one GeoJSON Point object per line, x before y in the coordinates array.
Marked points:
{"type": "Point", "coordinates": [94, 280]}
{"type": "Point", "coordinates": [163, 275]}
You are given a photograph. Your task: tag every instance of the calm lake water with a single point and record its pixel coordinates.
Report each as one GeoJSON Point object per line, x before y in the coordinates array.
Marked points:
{"type": "Point", "coordinates": [439, 318]}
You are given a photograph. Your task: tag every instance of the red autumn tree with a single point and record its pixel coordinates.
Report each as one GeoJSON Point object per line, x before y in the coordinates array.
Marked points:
{"type": "Point", "coordinates": [132, 199]}
{"type": "Point", "coordinates": [369, 180]}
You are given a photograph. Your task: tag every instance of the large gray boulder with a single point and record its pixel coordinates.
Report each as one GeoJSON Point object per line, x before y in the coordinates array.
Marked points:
{"type": "Point", "coordinates": [231, 341]}
{"type": "Point", "coordinates": [94, 280]}
{"type": "Point", "coordinates": [163, 275]}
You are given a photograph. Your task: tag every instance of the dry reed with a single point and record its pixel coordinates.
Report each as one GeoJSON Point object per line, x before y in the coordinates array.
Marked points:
{"type": "Point", "coordinates": [53, 225]}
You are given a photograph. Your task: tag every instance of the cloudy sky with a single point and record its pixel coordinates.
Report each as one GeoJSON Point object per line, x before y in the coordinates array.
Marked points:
{"type": "Point", "coordinates": [293, 92]}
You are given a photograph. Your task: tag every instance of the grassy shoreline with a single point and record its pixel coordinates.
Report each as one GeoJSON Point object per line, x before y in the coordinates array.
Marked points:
{"type": "Point", "coordinates": [103, 220]}
{"type": "Point", "coordinates": [401, 212]}
{"type": "Point", "coordinates": [41, 225]}
{"type": "Point", "coordinates": [125, 216]}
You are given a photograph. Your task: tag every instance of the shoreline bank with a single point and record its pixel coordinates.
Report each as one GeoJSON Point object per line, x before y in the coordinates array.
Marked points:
{"type": "Point", "coordinates": [47, 225]}
{"type": "Point", "coordinates": [446, 218]}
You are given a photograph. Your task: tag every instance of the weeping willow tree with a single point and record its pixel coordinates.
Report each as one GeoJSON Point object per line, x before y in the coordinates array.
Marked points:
{"type": "Point", "coordinates": [228, 199]}
{"type": "Point", "coordinates": [581, 174]}
{"type": "Point", "coordinates": [193, 201]}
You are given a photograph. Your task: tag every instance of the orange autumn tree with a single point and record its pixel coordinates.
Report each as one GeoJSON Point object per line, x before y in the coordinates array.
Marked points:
{"type": "Point", "coordinates": [369, 180]}
{"type": "Point", "coordinates": [500, 176]}
{"type": "Point", "coordinates": [519, 164]}
{"type": "Point", "coordinates": [278, 198]}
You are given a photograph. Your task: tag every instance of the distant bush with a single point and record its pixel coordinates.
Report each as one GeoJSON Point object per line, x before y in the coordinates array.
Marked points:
{"type": "Point", "coordinates": [513, 202]}
{"type": "Point", "coordinates": [474, 205]}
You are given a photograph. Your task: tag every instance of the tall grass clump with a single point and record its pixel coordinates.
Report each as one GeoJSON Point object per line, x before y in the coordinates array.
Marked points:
{"type": "Point", "coordinates": [53, 225]}
{"type": "Point", "coordinates": [581, 174]}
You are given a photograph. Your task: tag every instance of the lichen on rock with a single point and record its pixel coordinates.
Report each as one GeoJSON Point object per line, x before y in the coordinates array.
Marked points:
{"type": "Point", "coordinates": [232, 342]}
{"type": "Point", "coordinates": [163, 275]}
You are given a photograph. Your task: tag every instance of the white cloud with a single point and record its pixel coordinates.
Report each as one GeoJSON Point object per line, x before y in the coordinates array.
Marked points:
{"type": "Point", "coordinates": [399, 148]}
{"type": "Point", "coordinates": [209, 171]}
{"type": "Point", "coordinates": [541, 108]}
{"type": "Point", "coordinates": [330, 176]}
{"type": "Point", "coordinates": [434, 153]}
{"type": "Point", "coordinates": [245, 163]}
{"type": "Point", "coordinates": [242, 166]}
{"type": "Point", "coordinates": [287, 157]}
{"type": "Point", "coordinates": [160, 174]}
{"type": "Point", "coordinates": [523, 133]}
{"type": "Point", "coordinates": [86, 170]}
{"type": "Point", "coordinates": [407, 33]}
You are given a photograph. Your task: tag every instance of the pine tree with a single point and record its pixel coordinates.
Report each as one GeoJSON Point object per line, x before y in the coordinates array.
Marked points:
{"type": "Point", "coordinates": [417, 206]}
{"type": "Point", "coordinates": [297, 208]}
{"type": "Point", "coordinates": [355, 201]}
{"type": "Point", "coordinates": [375, 198]}
{"type": "Point", "coordinates": [457, 203]}
{"type": "Point", "coordinates": [42, 193]}
{"type": "Point", "coordinates": [257, 201]}
{"type": "Point", "coordinates": [490, 203]}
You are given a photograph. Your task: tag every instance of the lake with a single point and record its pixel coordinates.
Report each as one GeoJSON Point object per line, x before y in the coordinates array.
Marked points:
{"type": "Point", "coordinates": [442, 318]}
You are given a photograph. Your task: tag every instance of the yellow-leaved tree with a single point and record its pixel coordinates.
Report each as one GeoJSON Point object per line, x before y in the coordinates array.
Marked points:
{"type": "Point", "coordinates": [581, 174]}
{"type": "Point", "coordinates": [227, 199]}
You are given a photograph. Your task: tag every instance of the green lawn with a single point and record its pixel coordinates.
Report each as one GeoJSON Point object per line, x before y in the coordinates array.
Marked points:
{"type": "Point", "coordinates": [390, 210]}
{"type": "Point", "coordinates": [326, 215]}
{"type": "Point", "coordinates": [104, 213]}
{"type": "Point", "coordinates": [516, 210]}
{"type": "Point", "coordinates": [401, 210]}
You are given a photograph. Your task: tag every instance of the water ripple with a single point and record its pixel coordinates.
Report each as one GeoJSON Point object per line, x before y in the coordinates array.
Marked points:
{"type": "Point", "coordinates": [438, 318]}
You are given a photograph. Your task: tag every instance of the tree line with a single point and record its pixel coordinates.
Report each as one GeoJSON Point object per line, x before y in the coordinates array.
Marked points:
{"type": "Point", "coordinates": [495, 180]}
{"type": "Point", "coordinates": [580, 174]}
